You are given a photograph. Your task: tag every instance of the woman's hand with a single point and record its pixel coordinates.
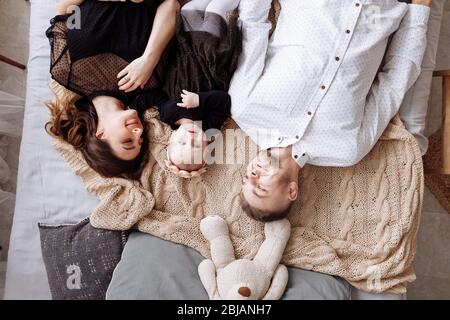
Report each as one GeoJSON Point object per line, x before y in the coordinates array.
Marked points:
{"type": "Point", "coordinates": [423, 2]}
{"type": "Point", "coordinates": [190, 100]}
{"type": "Point", "coordinates": [137, 73]}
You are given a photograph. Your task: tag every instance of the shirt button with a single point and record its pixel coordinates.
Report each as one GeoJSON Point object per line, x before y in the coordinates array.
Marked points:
{"type": "Point", "coordinates": [337, 58]}
{"type": "Point", "coordinates": [347, 31]}
{"type": "Point", "coordinates": [323, 87]}
{"type": "Point", "coordinates": [279, 138]}
{"type": "Point", "coordinates": [295, 156]}
{"type": "Point", "coordinates": [309, 113]}
{"type": "Point", "coordinates": [303, 154]}
{"type": "Point", "coordinates": [297, 137]}
{"type": "Point", "coordinates": [357, 4]}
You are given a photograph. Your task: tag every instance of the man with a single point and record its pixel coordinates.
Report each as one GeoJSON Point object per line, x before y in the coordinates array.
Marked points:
{"type": "Point", "coordinates": [313, 93]}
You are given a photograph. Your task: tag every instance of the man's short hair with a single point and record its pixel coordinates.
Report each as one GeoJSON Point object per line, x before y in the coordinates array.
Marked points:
{"type": "Point", "coordinates": [263, 215]}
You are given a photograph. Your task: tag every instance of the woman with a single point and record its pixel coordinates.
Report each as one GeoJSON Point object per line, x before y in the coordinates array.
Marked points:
{"type": "Point", "coordinates": [203, 58]}
{"type": "Point", "coordinates": [118, 48]}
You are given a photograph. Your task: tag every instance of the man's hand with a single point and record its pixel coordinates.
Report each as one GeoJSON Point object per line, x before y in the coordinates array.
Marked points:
{"type": "Point", "coordinates": [190, 100]}
{"type": "Point", "coordinates": [423, 2]}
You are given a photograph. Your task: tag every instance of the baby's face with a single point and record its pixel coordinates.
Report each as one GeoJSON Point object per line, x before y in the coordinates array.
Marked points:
{"type": "Point", "coordinates": [186, 147]}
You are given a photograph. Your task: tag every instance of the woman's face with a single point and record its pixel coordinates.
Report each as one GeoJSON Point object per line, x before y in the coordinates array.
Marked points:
{"type": "Point", "coordinates": [122, 129]}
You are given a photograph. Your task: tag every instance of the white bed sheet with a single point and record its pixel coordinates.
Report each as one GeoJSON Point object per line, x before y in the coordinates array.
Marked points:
{"type": "Point", "coordinates": [47, 189]}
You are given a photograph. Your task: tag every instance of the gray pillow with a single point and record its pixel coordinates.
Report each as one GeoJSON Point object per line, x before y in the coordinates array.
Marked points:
{"type": "Point", "coordinates": [80, 259]}
{"type": "Point", "coordinates": [153, 268]}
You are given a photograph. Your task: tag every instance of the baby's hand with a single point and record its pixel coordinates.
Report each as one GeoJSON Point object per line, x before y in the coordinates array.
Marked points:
{"type": "Point", "coordinates": [190, 100]}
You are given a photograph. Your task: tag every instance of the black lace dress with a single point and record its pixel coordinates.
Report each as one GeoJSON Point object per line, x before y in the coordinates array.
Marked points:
{"type": "Point", "coordinates": [206, 53]}
{"type": "Point", "coordinates": [202, 56]}
{"type": "Point", "coordinates": [87, 58]}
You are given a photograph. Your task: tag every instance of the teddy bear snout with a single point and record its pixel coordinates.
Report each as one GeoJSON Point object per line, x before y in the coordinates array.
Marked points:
{"type": "Point", "coordinates": [245, 292]}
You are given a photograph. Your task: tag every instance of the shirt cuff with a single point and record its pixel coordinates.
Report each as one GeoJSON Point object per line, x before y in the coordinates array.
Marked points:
{"type": "Point", "coordinates": [299, 154]}
{"type": "Point", "coordinates": [417, 14]}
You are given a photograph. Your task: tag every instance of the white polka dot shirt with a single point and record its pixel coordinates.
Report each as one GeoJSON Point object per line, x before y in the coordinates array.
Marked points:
{"type": "Point", "coordinates": [320, 83]}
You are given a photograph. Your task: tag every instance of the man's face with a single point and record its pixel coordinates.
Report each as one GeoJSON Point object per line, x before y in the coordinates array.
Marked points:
{"type": "Point", "coordinates": [267, 183]}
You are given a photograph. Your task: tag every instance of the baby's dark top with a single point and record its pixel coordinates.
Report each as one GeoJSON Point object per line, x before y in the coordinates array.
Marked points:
{"type": "Point", "coordinates": [214, 108]}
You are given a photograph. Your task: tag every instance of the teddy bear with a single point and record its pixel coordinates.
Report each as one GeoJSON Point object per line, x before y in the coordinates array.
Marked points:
{"type": "Point", "coordinates": [226, 278]}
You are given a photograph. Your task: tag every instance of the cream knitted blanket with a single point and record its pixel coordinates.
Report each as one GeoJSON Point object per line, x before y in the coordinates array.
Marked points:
{"type": "Point", "coordinates": [359, 223]}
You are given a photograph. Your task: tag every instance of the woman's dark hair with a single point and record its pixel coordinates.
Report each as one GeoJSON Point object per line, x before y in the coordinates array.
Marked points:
{"type": "Point", "coordinates": [77, 124]}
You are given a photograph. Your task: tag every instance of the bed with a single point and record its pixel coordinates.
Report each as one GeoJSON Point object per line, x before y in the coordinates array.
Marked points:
{"type": "Point", "coordinates": [47, 190]}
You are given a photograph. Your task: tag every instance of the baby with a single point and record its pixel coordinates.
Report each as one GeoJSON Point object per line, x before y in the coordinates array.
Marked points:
{"type": "Point", "coordinates": [209, 46]}
{"type": "Point", "coordinates": [190, 116]}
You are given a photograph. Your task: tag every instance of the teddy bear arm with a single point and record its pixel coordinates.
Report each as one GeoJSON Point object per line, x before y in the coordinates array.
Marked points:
{"type": "Point", "coordinates": [222, 251]}
{"type": "Point", "coordinates": [278, 284]}
{"type": "Point", "coordinates": [270, 253]}
{"type": "Point", "coordinates": [207, 274]}
{"type": "Point", "coordinates": [215, 230]}
{"type": "Point", "coordinates": [277, 235]}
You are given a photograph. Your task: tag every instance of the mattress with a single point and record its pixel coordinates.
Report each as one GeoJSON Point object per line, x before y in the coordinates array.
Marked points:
{"type": "Point", "coordinates": [47, 190]}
